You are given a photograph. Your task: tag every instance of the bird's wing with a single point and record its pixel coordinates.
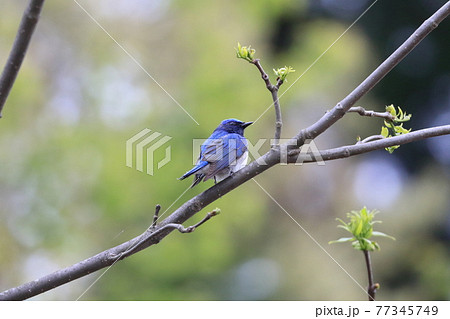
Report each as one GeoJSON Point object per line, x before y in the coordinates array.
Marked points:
{"type": "Point", "coordinates": [208, 147]}
{"type": "Point", "coordinates": [222, 152]}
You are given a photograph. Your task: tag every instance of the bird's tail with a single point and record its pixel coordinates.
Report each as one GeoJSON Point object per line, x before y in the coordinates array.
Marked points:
{"type": "Point", "coordinates": [198, 177]}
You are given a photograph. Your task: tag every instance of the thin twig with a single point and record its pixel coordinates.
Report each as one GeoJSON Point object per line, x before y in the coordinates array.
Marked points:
{"type": "Point", "coordinates": [278, 121]}
{"type": "Point", "coordinates": [155, 217]}
{"type": "Point", "coordinates": [29, 20]}
{"type": "Point", "coordinates": [372, 288]}
{"type": "Point", "coordinates": [276, 102]}
{"type": "Point", "coordinates": [363, 112]}
{"type": "Point", "coordinates": [147, 238]}
{"type": "Point", "coordinates": [264, 75]}
{"type": "Point", "coordinates": [190, 229]}
{"type": "Point", "coordinates": [295, 156]}
{"type": "Point", "coordinates": [371, 139]}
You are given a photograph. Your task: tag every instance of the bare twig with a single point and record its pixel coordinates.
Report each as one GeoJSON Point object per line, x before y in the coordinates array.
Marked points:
{"type": "Point", "coordinates": [361, 111]}
{"type": "Point", "coordinates": [276, 103]}
{"type": "Point", "coordinates": [155, 217]}
{"type": "Point", "coordinates": [372, 288]}
{"type": "Point", "coordinates": [271, 158]}
{"type": "Point", "coordinates": [104, 259]}
{"type": "Point", "coordinates": [29, 20]}
{"type": "Point", "coordinates": [147, 238]}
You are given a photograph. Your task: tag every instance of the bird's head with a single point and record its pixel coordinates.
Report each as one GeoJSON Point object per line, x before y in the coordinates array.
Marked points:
{"type": "Point", "coordinates": [233, 126]}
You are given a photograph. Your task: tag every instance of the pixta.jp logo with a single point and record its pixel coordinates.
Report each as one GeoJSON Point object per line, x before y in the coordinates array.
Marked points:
{"type": "Point", "coordinates": [145, 145]}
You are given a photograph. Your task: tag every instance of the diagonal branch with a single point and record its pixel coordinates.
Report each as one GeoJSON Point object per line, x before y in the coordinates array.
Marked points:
{"type": "Point", "coordinates": [29, 20]}
{"type": "Point", "coordinates": [104, 259]}
{"type": "Point", "coordinates": [295, 156]}
{"type": "Point", "coordinates": [363, 112]}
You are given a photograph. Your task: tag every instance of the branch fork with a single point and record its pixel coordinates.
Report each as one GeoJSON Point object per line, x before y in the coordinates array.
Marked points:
{"type": "Point", "coordinates": [149, 237]}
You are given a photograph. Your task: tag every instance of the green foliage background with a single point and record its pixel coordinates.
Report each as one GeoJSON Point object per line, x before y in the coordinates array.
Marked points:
{"type": "Point", "coordinates": [66, 193]}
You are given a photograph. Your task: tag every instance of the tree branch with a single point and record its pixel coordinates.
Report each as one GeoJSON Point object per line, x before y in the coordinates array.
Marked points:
{"type": "Point", "coordinates": [190, 229]}
{"type": "Point", "coordinates": [156, 216]}
{"type": "Point", "coordinates": [106, 258]}
{"type": "Point", "coordinates": [361, 111]}
{"type": "Point", "coordinates": [264, 75]}
{"type": "Point", "coordinates": [29, 20]}
{"type": "Point", "coordinates": [271, 158]}
{"type": "Point", "coordinates": [295, 156]}
{"type": "Point", "coordinates": [146, 238]}
{"type": "Point", "coordinates": [276, 103]}
{"type": "Point", "coordinates": [372, 288]}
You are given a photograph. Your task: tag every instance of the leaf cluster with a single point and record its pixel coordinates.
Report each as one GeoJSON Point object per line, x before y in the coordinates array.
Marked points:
{"type": "Point", "coordinates": [395, 127]}
{"type": "Point", "coordinates": [282, 73]}
{"type": "Point", "coordinates": [361, 227]}
{"type": "Point", "coordinates": [246, 53]}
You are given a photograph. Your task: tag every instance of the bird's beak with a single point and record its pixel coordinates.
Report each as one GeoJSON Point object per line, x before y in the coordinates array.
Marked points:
{"type": "Point", "coordinates": [247, 124]}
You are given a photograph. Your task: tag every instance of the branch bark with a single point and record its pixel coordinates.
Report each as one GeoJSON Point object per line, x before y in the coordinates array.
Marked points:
{"type": "Point", "coordinates": [276, 102]}
{"type": "Point", "coordinates": [372, 288]}
{"type": "Point", "coordinates": [104, 259]}
{"type": "Point", "coordinates": [271, 158]}
{"type": "Point", "coordinates": [363, 112]}
{"type": "Point", "coordinates": [27, 26]}
{"type": "Point", "coordinates": [295, 156]}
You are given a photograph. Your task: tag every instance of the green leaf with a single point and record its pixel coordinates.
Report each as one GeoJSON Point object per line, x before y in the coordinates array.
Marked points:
{"type": "Point", "coordinates": [282, 73]}
{"type": "Point", "coordinates": [342, 240]}
{"type": "Point", "coordinates": [358, 229]}
{"type": "Point", "coordinates": [380, 234]}
{"type": "Point", "coordinates": [400, 130]}
{"type": "Point", "coordinates": [344, 227]}
{"type": "Point", "coordinates": [391, 109]}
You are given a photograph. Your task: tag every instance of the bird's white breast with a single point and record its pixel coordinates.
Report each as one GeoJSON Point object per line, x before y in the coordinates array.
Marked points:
{"type": "Point", "coordinates": [234, 167]}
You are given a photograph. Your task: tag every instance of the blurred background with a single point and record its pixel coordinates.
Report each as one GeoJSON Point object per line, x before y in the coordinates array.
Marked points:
{"type": "Point", "coordinates": [67, 194]}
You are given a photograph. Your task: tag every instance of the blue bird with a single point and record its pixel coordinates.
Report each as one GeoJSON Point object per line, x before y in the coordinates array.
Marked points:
{"type": "Point", "coordinates": [222, 154]}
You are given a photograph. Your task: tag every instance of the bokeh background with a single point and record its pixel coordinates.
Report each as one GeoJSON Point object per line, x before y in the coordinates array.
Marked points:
{"type": "Point", "coordinates": [66, 193]}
